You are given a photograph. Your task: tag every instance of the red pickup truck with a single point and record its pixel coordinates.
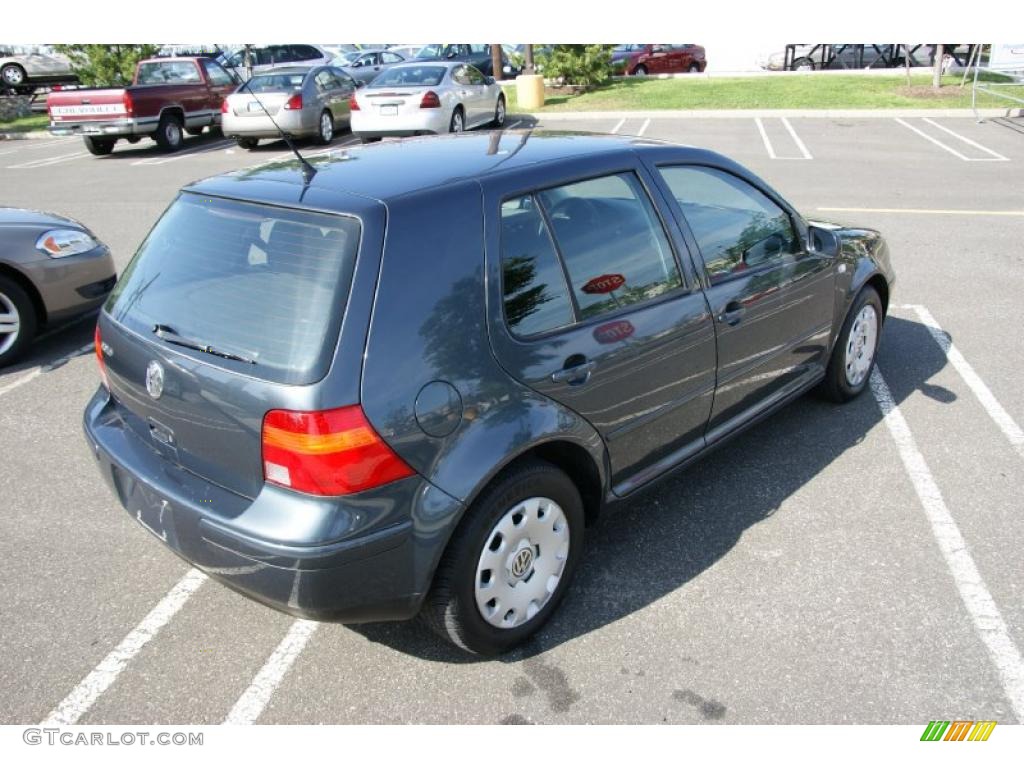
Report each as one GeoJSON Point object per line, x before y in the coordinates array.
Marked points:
{"type": "Point", "coordinates": [168, 97]}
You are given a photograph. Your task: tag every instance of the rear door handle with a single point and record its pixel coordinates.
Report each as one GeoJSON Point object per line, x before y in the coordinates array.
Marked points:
{"type": "Point", "coordinates": [575, 374]}
{"type": "Point", "coordinates": [732, 314]}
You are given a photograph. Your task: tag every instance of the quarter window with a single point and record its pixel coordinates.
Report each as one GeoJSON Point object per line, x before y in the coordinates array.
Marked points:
{"type": "Point", "coordinates": [612, 243]}
{"type": "Point", "coordinates": [533, 285]}
{"type": "Point", "coordinates": [737, 227]}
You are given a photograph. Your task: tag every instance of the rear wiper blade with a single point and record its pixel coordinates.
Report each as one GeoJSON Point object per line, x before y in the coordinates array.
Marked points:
{"type": "Point", "coordinates": [171, 336]}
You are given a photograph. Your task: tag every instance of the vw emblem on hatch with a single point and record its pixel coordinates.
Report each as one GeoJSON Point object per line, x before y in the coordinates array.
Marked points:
{"type": "Point", "coordinates": [155, 379]}
{"type": "Point", "coordinates": [521, 562]}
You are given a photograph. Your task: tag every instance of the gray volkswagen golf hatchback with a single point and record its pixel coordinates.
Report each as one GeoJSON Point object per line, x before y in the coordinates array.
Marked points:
{"type": "Point", "coordinates": [407, 384]}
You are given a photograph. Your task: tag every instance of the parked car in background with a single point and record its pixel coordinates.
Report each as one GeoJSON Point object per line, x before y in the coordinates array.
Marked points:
{"type": "Point", "coordinates": [658, 58]}
{"type": "Point", "coordinates": [168, 98]}
{"type": "Point", "coordinates": [24, 72]}
{"type": "Point", "coordinates": [301, 101]}
{"type": "Point", "coordinates": [267, 56]}
{"type": "Point", "coordinates": [407, 50]}
{"type": "Point", "coordinates": [366, 65]}
{"type": "Point", "coordinates": [409, 386]}
{"type": "Point", "coordinates": [477, 55]}
{"type": "Point", "coordinates": [426, 97]}
{"type": "Point", "coordinates": [52, 268]}
{"type": "Point", "coordinates": [810, 56]}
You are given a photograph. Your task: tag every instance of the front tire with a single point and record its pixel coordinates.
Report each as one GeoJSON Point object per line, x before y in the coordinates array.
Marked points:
{"type": "Point", "coordinates": [169, 133]}
{"type": "Point", "coordinates": [458, 121]}
{"type": "Point", "coordinates": [99, 147]}
{"type": "Point", "coordinates": [510, 561]}
{"type": "Point", "coordinates": [853, 356]}
{"type": "Point", "coordinates": [13, 76]}
{"type": "Point", "coordinates": [499, 112]}
{"type": "Point", "coordinates": [18, 321]}
{"type": "Point", "coordinates": [640, 71]}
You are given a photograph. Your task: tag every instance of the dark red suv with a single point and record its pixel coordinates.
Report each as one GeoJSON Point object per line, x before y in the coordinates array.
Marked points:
{"type": "Point", "coordinates": [658, 58]}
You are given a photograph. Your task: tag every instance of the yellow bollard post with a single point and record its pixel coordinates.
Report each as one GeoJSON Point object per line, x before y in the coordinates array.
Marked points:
{"type": "Point", "coordinates": [530, 91]}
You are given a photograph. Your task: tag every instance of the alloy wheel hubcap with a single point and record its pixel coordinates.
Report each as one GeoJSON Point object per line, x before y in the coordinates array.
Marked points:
{"type": "Point", "coordinates": [326, 127]}
{"type": "Point", "coordinates": [10, 323]}
{"type": "Point", "coordinates": [173, 134]}
{"type": "Point", "coordinates": [457, 123]}
{"type": "Point", "coordinates": [12, 75]}
{"type": "Point", "coordinates": [860, 345]}
{"type": "Point", "coordinates": [522, 562]}
{"type": "Point", "coordinates": [501, 112]}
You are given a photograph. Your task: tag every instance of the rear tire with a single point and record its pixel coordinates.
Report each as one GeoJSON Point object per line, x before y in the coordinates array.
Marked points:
{"type": "Point", "coordinates": [325, 128]}
{"type": "Point", "coordinates": [458, 121]}
{"type": "Point", "coordinates": [169, 133]}
{"type": "Point", "coordinates": [848, 372]}
{"type": "Point", "coordinates": [194, 131]}
{"type": "Point", "coordinates": [13, 76]}
{"type": "Point", "coordinates": [551, 539]}
{"type": "Point", "coordinates": [99, 146]}
{"type": "Point", "coordinates": [249, 144]}
{"type": "Point", "coordinates": [18, 321]}
{"type": "Point", "coordinates": [693, 68]}
{"type": "Point", "coordinates": [803, 65]}
{"type": "Point", "coordinates": [640, 71]}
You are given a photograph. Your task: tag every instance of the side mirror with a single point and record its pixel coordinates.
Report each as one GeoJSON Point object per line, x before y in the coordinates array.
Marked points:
{"type": "Point", "coordinates": [822, 240]}
{"type": "Point", "coordinates": [490, 80]}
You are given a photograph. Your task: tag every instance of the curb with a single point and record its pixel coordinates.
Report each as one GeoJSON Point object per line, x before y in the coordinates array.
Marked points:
{"type": "Point", "coordinates": [714, 114]}
{"type": "Point", "coordinates": [25, 135]}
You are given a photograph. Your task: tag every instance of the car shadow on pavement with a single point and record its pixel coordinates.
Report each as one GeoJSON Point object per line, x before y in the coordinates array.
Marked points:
{"type": "Point", "coordinates": [651, 545]}
{"type": "Point", "coordinates": [54, 347]}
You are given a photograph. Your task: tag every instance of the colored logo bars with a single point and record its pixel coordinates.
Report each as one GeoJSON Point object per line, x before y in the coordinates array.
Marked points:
{"type": "Point", "coordinates": [958, 730]}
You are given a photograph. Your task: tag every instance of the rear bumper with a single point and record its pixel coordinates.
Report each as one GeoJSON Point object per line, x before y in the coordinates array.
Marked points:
{"type": "Point", "coordinates": [370, 559]}
{"type": "Point", "coordinates": [425, 121]}
{"type": "Point", "coordinates": [114, 128]}
{"type": "Point", "coordinates": [294, 123]}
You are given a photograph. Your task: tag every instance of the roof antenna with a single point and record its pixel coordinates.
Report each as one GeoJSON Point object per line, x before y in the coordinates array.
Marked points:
{"type": "Point", "coordinates": [308, 171]}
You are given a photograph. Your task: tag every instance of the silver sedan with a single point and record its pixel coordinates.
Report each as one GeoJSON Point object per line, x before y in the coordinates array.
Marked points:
{"type": "Point", "coordinates": [427, 97]}
{"type": "Point", "coordinates": [300, 101]}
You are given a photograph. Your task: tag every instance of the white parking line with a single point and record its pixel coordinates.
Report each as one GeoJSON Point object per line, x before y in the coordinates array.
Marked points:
{"type": "Point", "coordinates": [643, 128]}
{"type": "Point", "coordinates": [251, 704]}
{"type": "Point", "coordinates": [35, 372]}
{"type": "Point", "coordinates": [964, 139]}
{"type": "Point", "coordinates": [796, 140]}
{"type": "Point", "coordinates": [764, 137]}
{"type": "Point", "coordinates": [995, 410]}
{"type": "Point", "coordinates": [618, 125]}
{"type": "Point", "coordinates": [78, 702]}
{"type": "Point", "coordinates": [948, 148]}
{"type": "Point", "coordinates": [45, 161]}
{"type": "Point", "coordinates": [988, 621]}
{"type": "Point", "coordinates": [187, 153]}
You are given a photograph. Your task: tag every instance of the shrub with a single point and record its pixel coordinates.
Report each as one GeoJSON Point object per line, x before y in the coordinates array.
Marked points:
{"type": "Point", "coordinates": [578, 64]}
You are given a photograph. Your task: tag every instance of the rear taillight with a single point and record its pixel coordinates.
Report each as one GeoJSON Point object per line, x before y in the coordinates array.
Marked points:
{"type": "Point", "coordinates": [224, 108]}
{"type": "Point", "coordinates": [129, 105]}
{"type": "Point", "coordinates": [430, 100]}
{"type": "Point", "coordinates": [97, 343]}
{"type": "Point", "coordinates": [295, 102]}
{"type": "Point", "coordinates": [328, 453]}
{"type": "Point", "coordinates": [352, 103]}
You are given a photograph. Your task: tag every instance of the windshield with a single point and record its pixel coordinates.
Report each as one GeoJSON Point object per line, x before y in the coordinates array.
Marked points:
{"type": "Point", "coordinates": [262, 283]}
{"type": "Point", "coordinates": [276, 83]}
{"type": "Point", "coordinates": [410, 76]}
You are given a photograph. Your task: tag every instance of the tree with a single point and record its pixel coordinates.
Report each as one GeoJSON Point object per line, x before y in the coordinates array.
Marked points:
{"type": "Point", "coordinates": [496, 66]}
{"type": "Point", "coordinates": [937, 67]}
{"type": "Point", "coordinates": [579, 64]}
{"type": "Point", "coordinates": [112, 64]}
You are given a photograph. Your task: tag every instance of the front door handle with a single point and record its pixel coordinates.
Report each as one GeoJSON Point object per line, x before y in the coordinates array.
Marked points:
{"type": "Point", "coordinates": [574, 373]}
{"type": "Point", "coordinates": [732, 314]}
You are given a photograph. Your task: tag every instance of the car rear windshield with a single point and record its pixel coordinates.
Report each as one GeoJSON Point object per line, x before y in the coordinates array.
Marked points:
{"type": "Point", "coordinates": [166, 72]}
{"type": "Point", "coordinates": [410, 76]}
{"type": "Point", "coordinates": [263, 283]}
{"type": "Point", "coordinates": [276, 83]}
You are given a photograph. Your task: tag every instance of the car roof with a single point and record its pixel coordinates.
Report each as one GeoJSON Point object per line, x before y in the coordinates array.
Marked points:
{"type": "Point", "coordinates": [392, 169]}
{"type": "Point", "coordinates": [289, 70]}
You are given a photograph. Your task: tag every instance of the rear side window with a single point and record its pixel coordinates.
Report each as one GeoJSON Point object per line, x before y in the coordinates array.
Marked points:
{"type": "Point", "coordinates": [533, 285]}
{"type": "Point", "coordinates": [165, 72]}
{"type": "Point", "coordinates": [737, 226]}
{"type": "Point", "coordinates": [613, 244]}
{"type": "Point", "coordinates": [217, 75]}
{"type": "Point", "coordinates": [268, 284]}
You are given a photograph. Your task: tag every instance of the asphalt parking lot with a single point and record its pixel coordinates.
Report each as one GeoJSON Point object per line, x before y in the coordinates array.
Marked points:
{"type": "Point", "coordinates": [834, 565]}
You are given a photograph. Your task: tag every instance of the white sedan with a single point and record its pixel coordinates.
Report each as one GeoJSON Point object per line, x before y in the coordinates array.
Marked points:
{"type": "Point", "coordinates": [426, 97]}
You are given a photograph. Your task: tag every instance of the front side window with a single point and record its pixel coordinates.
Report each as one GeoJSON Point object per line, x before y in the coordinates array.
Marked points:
{"type": "Point", "coordinates": [474, 76]}
{"type": "Point", "coordinates": [217, 75]}
{"type": "Point", "coordinates": [737, 226]}
{"type": "Point", "coordinates": [533, 285]}
{"type": "Point", "coordinates": [613, 244]}
{"type": "Point", "coordinates": [390, 58]}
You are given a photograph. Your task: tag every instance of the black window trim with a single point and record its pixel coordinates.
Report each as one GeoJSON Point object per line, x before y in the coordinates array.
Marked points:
{"type": "Point", "coordinates": [702, 267]}
{"type": "Point", "coordinates": [685, 288]}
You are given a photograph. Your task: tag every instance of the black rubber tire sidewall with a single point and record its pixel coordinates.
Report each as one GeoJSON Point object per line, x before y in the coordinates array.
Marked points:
{"type": "Point", "coordinates": [640, 71]}
{"type": "Point", "coordinates": [835, 386]}
{"type": "Point", "coordinates": [99, 147]}
{"type": "Point", "coordinates": [499, 122]}
{"type": "Point", "coordinates": [161, 134]}
{"type": "Point", "coordinates": [27, 319]}
{"type": "Point", "coordinates": [450, 607]}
